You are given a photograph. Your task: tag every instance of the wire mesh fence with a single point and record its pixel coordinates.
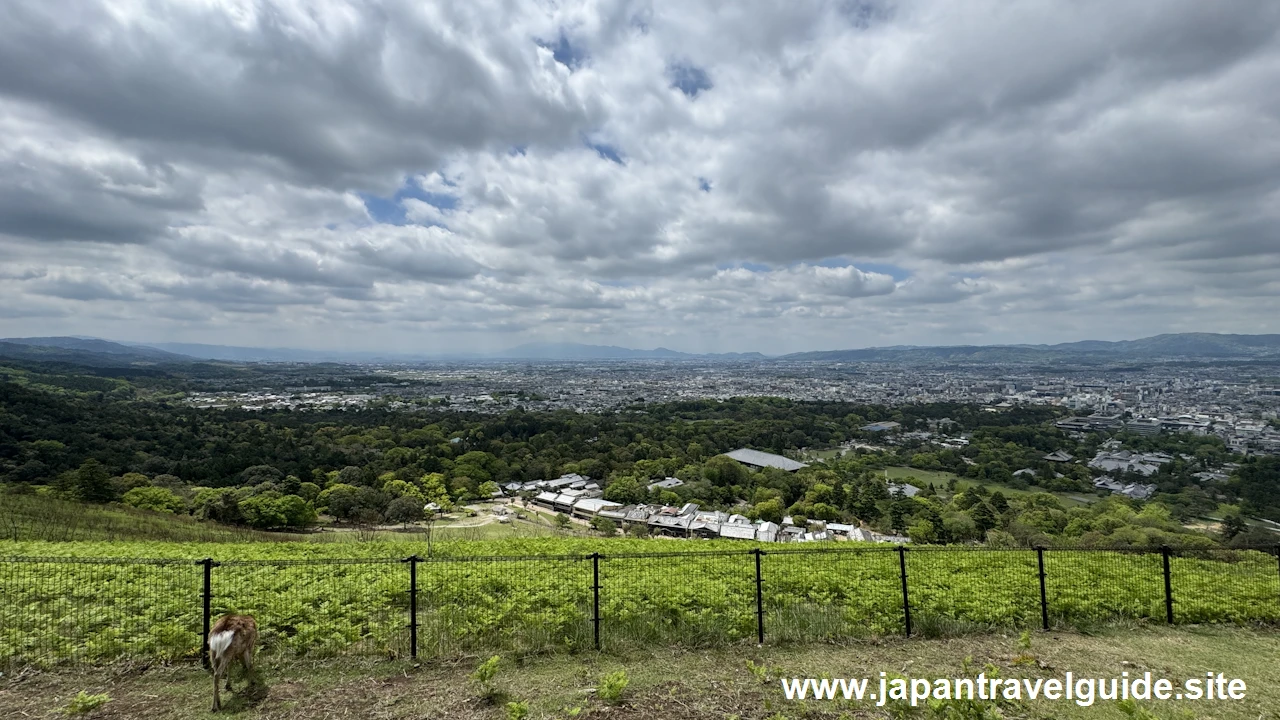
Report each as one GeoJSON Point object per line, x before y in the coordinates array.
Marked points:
{"type": "Point", "coordinates": [64, 609]}
{"type": "Point", "coordinates": [318, 607]}
{"type": "Point", "coordinates": [832, 594]}
{"type": "Point", "coordinates": [694, 599]}
{"type": "Point", "coordinates": [973, 589]}
{"type": "Point", "coordinates": [521, 604]}
{"type": "Point", "coordinates": [55, 610]}
{"type": "Point", "coordinates": [1218, 585]}
{"type": "Point", "coordinates": [1087, 588]}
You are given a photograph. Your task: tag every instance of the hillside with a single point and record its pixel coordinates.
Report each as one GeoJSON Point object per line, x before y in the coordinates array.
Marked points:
{"type": "Point", "coordinates": [84, 351]}
{"type": "Point", "coordinates": [1168, 346]}
{"type": "Point", "coordinates": [705, 684]}
{"type": "Point", "coordinates": [35, 517]}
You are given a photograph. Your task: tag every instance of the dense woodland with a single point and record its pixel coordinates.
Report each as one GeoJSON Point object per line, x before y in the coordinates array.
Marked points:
{"type": "Point", "coordinates": [130, 440]}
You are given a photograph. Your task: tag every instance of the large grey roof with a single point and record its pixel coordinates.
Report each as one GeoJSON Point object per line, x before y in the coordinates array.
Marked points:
{"type": "Point", "coordinates": [764, 459]}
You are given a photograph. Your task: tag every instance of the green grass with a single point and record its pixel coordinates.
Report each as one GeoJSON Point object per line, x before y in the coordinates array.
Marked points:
{"type": "Point", "coordinates": [941, 478]}
{"type": "Point", "coordinates": [707, 684]}
{"type": "Point", "coordinates": [535, 595]}
{"type": "Point", "coordinates": [823, 454]}
{"type": "Point", "coordinates": [40, 517]}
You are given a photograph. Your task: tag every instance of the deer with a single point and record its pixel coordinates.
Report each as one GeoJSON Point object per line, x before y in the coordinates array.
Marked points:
{"type": "Point", "coordinates": [232, 638]}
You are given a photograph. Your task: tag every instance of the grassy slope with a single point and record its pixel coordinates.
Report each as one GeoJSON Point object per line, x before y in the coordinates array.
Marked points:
{"type": "Point", "coordinates": [36, 517]}
{"type": "Point", "coordinates": [711, 684]}
{"type": "Point", "coordinates": [941, 478]}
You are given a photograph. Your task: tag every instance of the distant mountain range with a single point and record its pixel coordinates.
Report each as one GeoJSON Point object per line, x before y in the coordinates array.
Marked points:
{"type": "Point", "coordinates": [576, 351]}
{"type": "Point", "coordinates": [1170, 346]}
{"type": "Point", "coordinates": [235, 353]}
{"type": "Point", "coordinates": [84, 351]}
{"type": "Point", "coordinates": [97, 352]}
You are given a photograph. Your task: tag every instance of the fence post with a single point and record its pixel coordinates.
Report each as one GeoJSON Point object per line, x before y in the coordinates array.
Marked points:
{"type": "Point", "coordinates": [208, 602]}
{"type": "Point", "coordinates": [595, 600]}
{"type": "Point", "coordinates": [759, 598]}
{"type": "Point", "coordinates": [1044, 598]}
{"type": "Point", "coordinates": [1168, 586]}
{"type": "Point", "coordinates": [906, 602]}
{"type": "Point", "coordinates": [413, 604]}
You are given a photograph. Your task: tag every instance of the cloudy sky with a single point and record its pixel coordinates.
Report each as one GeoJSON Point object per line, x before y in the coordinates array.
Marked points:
{"type": "Point", "coordinates": [705, 176]}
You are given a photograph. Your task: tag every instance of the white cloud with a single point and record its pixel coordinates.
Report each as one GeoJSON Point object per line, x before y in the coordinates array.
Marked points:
{"type": "Point", "coordinates": [845, 175]}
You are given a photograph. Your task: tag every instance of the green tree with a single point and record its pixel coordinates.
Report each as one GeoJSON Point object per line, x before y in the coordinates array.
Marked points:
{"type": "Point", "coordinates": [132, 480]}
{"type": "Point", "coordinates": [219, 505]}
{"type": "Point", "coordinates": [405, 509]}
{"type": "Point", "coordinates": [768, 511]}
{"type": "Point", "coordinates": [434, 491]}
{"type": "Point", "coordinates": [298, 513]}
{"type": "Point", "coordinates": [262, 511]}
{"type": "Point", "coordinates": [983, 517]}
{"type": "Point", "coordinates": [604, 526]}
{"type": "Point", "coordinates": [308, 491]}
{"type": "Point", "coordinates": [154, 498]}
{"type": "Point", "coordinates": [626, 490]}
{"type": "Point", "coordinates": [399, 488]}
{"type": "Point", "coordinates": [1233, 524]}
{"type": "Point", "coordinates": [340, 500]}
{"type": "Point", "coordinates": [999, 502]}
{"type": "Point", "coordinates": [922, 531]}
{"type": "Point", "coordinates": [93, 483]}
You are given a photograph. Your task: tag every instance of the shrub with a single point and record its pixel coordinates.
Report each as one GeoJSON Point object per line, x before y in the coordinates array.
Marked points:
{"type": "Point", "coordinates": [612, 687]}
{"type": "Point", "coordinates": [517, 710]}
{"type": "Point", "coordinates": [484, 675]}
{"type": "Point", "coordinates": [84, 702]}
{"type": "Point", "coordinates": [154, 498]}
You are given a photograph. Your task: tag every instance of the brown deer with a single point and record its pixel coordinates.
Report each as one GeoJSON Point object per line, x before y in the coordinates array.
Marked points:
{"type": "Point", "coordinates": [232, 638]}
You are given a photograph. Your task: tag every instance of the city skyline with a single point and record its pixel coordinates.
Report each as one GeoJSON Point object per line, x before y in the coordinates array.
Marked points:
{"type": "Point", "coordinates": [472, 177]}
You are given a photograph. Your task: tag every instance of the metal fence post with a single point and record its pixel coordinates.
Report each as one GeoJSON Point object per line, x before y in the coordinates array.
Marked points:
{"type": "Point", "coordinates": [595, 590]}
{"type": "Point", "coordinates": [1168, 586]}
{"type": "Point", "coordinates": [906, 602]}
{"type": "Point", "coordinates": [1044, 598]}
{"type": "Point", "coordinates": [759, 598]}
{"type": "Point", "coordinates": [413, 604]}
{"type": "Point", "coordinates": [208, 602]}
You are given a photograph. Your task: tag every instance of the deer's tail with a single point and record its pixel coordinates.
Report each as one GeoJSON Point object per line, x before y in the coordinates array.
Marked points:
{"type": "Point", "coordinates": [219, 642]}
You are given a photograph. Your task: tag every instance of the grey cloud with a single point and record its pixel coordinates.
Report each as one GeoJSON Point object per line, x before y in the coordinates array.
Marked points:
{"type": "Point", "coordinates": [418, 253]}
{"type": "Point", "coordinates": [83, 288]}
{"type": "Point", "coordinates": [1040, 168]}
{"type": "Point", "coordinates": [345, 92]}
{"type": "Point", "coordinates": [113, 201]}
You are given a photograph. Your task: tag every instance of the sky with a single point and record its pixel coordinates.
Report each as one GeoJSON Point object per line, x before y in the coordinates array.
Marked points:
{"type": "Point", "coordinates": [704, 176]}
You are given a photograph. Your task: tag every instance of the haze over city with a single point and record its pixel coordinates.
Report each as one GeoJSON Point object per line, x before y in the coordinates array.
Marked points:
{"type": "Point", "coordinates": [473, 176]}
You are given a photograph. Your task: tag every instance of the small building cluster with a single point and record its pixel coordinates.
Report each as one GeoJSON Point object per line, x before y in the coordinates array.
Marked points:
{"type": "Point", "coordinates": [579, 497]}
{"type": "Point", "coordinates": [1138, 491]}
{"type": "Point", "coordinates": [1146, 464]}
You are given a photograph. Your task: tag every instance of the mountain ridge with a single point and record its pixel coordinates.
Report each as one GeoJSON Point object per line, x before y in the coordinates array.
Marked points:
{"type": "Point", "coordinates": [96, 351]}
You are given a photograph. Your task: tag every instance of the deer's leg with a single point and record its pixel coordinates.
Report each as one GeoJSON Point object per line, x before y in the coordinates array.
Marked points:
{"type": "Point", "coordinates": [217, 701]}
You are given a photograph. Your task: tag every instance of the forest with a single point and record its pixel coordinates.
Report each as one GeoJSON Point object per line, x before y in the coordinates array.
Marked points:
{"type": "Point", "coordinates": [120, 440]}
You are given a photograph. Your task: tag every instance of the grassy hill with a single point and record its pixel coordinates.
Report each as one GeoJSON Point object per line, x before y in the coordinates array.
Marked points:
{"type": "Point", "coordinates": [940, 478]}
{"type": "Point", "coordinates": [39, 517]}
{"type": "Point", "coordinates": [703, 684]}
